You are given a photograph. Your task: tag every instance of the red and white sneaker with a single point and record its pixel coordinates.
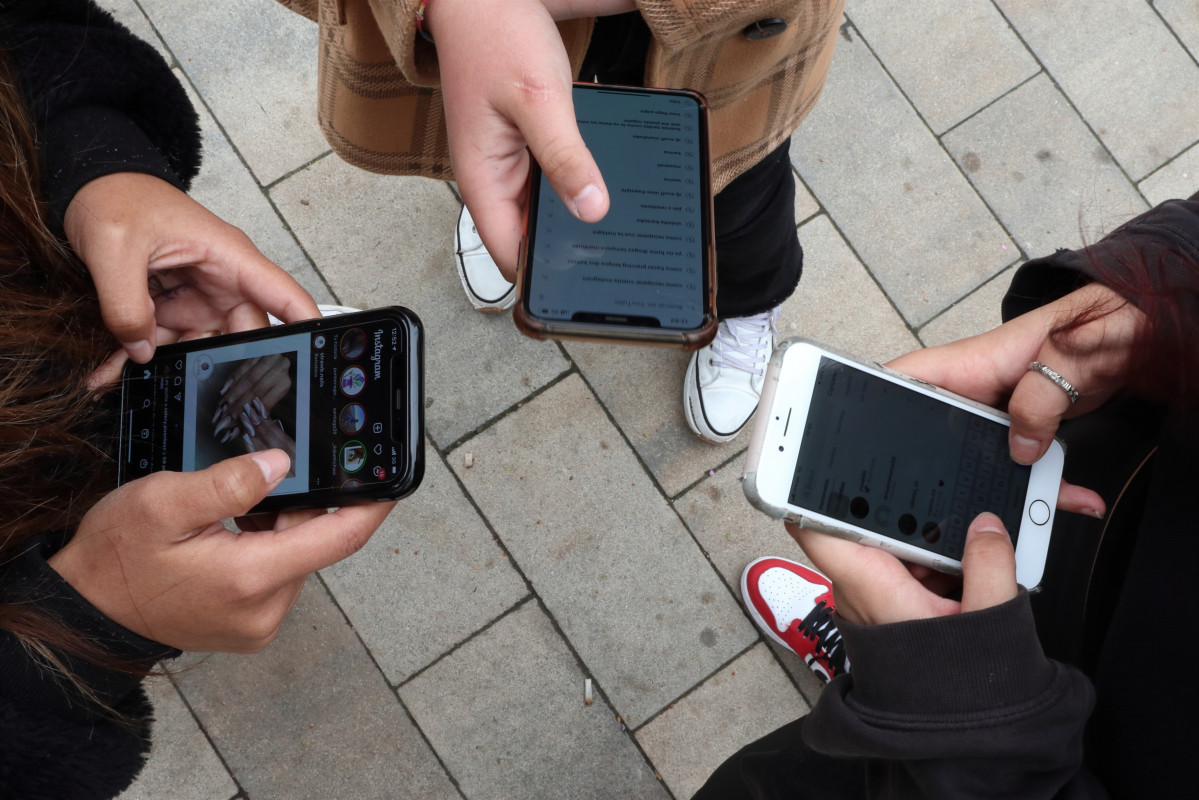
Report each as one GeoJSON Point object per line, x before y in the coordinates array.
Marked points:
{"type": "Point", "coordinates": [793, 605]}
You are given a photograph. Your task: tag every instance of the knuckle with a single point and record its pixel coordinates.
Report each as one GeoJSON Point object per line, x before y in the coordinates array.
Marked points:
{"type": "Point", "coordinates": [232, 487]}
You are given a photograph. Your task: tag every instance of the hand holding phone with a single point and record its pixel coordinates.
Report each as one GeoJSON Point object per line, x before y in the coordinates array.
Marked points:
{"type": "Point", "coordinates": [343, 396]}
{"type": "Point", "coordinates": [874, 588]}
{"type": "Point", "coordinates": [645, 273]}
{"type": "Point", "coordinates": [868, 454]}
{"type": "Point", "coordinates": [154, 557]}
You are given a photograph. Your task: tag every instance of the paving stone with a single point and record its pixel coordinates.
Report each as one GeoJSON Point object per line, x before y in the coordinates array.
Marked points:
{"type": "Point", "coordinates": [381, 240]}
{"type": "Point", "coordinates": [895, 194]}
{"type": "Point", "coordinates": [1045, 175]}
{"type": "Point", "coordinates": [505, 711]}
{"type": "Point", "coordinates": [226, 188]}
{"type": "Point", "coordinates": [933, 49]}
{"type": "Point", "coordinates": [642, 388]}
{"type": "Point", "coordinates": [430, 577]}
{"type": "Point", "coordinates": [977, 313]}
{"type": "Point", "coordinates": [604, 551]}
{"type": "Point", "coordinates": [1178, 179]}
{"type": "Point", "coordinates": [312, 717]}
{"type": "Point", "coordinates": [733, 533]}
{"type": "Point", "coordinates": [1183, 17]}
{"type": "Point", "coordinates": [182, 763]}
{"type": "Point", "coordinates": [740, 704]}
{"type": "Point", "coordinates": [1121, 68]}
{"type": "Point", "coordinates": [255, 66]}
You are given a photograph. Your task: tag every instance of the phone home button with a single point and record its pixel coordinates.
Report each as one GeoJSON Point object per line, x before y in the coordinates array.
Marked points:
{"type": "Point", "coordinates": [1038, 512]}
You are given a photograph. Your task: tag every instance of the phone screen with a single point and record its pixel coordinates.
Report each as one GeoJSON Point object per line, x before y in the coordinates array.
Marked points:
{"type": "Point", "coordinates": [645, 263]}
{"type": "Point", "coordinates": [325, 396]}
{"type": "Point", "coordinates": [899, 463]}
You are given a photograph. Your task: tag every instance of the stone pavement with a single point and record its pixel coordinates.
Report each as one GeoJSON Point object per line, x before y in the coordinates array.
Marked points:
{"type": "Point", "coordinates": [595, 536]}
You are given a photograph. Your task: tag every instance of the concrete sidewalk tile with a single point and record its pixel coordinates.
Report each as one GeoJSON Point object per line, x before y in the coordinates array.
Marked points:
{"type": "Point", "coordinates": [1122, 68]}
{"type": "Point", "coordinates": [380, 240]}
{"type": "Point", "coordinates": [974, 314]}
{"type": "Point", "coordinates": [604, 551]}
{"type": "Point", "coordinates": [1178, 179]}
{"type": "Point", "coordinates": [642, 388]}
{"type": "Point", "coordinates": [1042, 171]}
{"type": "Point", "coordinates": [505, 712]}
{"type": "Point", "coordinates": [896, 195]}
{"type": "Point", "coordinates": [311, 717]}
{"type": "Point", "coordinates": [430, 577]}
{"type": "Point", "coordinates": [226, 188]}
{"type": "Point", "coordinates": [255, 66]}
{"type": "Point", "coordinates": [1183, 17]}
{"type": "Point", "coordinates": [740, 704]}
{"type": "Point", "coordinates": [950, 58]}
{"type": "Point", "coordinates": [839, 304]}
{"type": "Point", "coordinates": [182, 764]}
{"type": "Point", "coordinates": [733, 533]}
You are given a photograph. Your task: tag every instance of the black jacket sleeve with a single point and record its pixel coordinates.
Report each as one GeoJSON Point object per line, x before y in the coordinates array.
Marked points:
{"type": "Point", "coordinates": [58, 738]}
{"type": "Point", "coordinates": [1153, 240]}
{"type": "Point", "coordinates": [958, 707]}
{"type": "Point", "coordinates": [103, 101]}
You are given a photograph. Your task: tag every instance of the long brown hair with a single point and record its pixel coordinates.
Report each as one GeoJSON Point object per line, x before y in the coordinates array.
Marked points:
{"type": "Point", "coordinates": [53, 467]}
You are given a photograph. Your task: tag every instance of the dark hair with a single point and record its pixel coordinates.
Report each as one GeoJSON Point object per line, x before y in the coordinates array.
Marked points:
{"type": "Point", "coordinates": [51, 338]}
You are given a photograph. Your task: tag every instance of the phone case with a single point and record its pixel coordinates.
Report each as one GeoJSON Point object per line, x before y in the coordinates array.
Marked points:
{"type": "Point", "coordinates": [409, 380]}
{"type": "Point", "coordinates": [537, 328]}
{"type": "Point", "coordinates": [749, 482]}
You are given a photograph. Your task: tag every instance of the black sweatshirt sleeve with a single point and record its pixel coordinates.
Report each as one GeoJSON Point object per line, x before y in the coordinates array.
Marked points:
{"type": "Point", "coordinates": [1154, 239]}
{"type": "Point", "coordinates": [103, 101]}
{"type": "Point", "coordinates": [958, 707]}
{"type": "Point", "coordinates": [55, 741]}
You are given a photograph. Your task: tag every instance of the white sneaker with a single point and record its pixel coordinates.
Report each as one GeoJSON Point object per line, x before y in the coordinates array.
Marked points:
{"type": "Point", "coordinates": [724, 379]}
{"type": "Point", "coordinates": [485, 286]}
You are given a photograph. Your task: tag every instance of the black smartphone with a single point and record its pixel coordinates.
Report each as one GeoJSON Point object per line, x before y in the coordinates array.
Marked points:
{"type": "Point", "coordinates": [343, 395]}
{"type": "Point", "coordinates": [645, 273]}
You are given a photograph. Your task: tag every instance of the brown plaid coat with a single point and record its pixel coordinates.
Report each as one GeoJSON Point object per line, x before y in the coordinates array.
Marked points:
{"type": "Point", "coordinates": [380, 106]}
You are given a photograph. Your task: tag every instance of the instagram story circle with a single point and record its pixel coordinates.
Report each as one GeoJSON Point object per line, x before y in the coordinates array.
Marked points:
{"type": "Point", "coordinates": [352, 381]}
{"type": "Point", "coordinates": [352, 418]}
{"type": "Point", "coordinates": [353, 456]}
{"type": "Point", "coordinates": [353, 343]}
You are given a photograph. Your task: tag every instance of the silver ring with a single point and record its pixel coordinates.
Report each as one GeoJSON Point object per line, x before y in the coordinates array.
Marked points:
{"type": "Point", "coordinates": [1056, 377]}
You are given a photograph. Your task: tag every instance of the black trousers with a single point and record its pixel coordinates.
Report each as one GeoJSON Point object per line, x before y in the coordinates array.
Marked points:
{"type": "Point", "coordinates": [758, 255]}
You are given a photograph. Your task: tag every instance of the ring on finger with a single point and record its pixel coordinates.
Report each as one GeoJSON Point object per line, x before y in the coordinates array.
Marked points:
{"type": "Point", "coordinates": [1057, 378]}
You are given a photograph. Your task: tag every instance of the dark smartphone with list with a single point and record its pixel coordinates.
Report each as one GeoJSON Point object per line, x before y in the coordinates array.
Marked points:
{"type": "Point", "coordinates": [342, 395]}
{"type": "Point", "coordinates": [645, 273]}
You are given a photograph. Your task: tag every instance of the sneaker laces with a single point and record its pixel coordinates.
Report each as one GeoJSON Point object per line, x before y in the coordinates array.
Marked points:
{"type": "Point", "coordinates": [818, 625]}
{"type": "Point", "coordinates": [743, 342]}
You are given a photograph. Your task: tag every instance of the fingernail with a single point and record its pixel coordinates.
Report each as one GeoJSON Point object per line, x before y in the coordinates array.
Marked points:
{"type": "Point", "coordinates": [273, 463]}
{"type": "Point", "coordinates": [139, 351]}
{"type": "Point", "coordinates": [219, 411]}
{"type": "Point", "coordinates": [249, 425]}
{"type": "Point", "coordinates": [261, 408]}
{"type": "Point", "coordinates": [225, 388]}
{"type": "Point", "coordinates": [589, 203]}
{"type": "Point", "coordinates": [249, 442]}
{"type": "Point", "coordinates": [1093, 512]}
{"type": "Point", "coordinates": [257, 420]}
{"type": "Point", "coordinates": [224, 423]}
{"type": "Point", "coordinates": [987, 522]}
{"type": "Point", "coordinates": [228, 435]}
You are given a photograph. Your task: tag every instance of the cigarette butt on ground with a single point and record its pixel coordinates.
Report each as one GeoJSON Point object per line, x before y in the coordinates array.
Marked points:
{"type": "Point", "coordinates": [468, 460]}
{"type": "Point", "coordinates": [587, 697]}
